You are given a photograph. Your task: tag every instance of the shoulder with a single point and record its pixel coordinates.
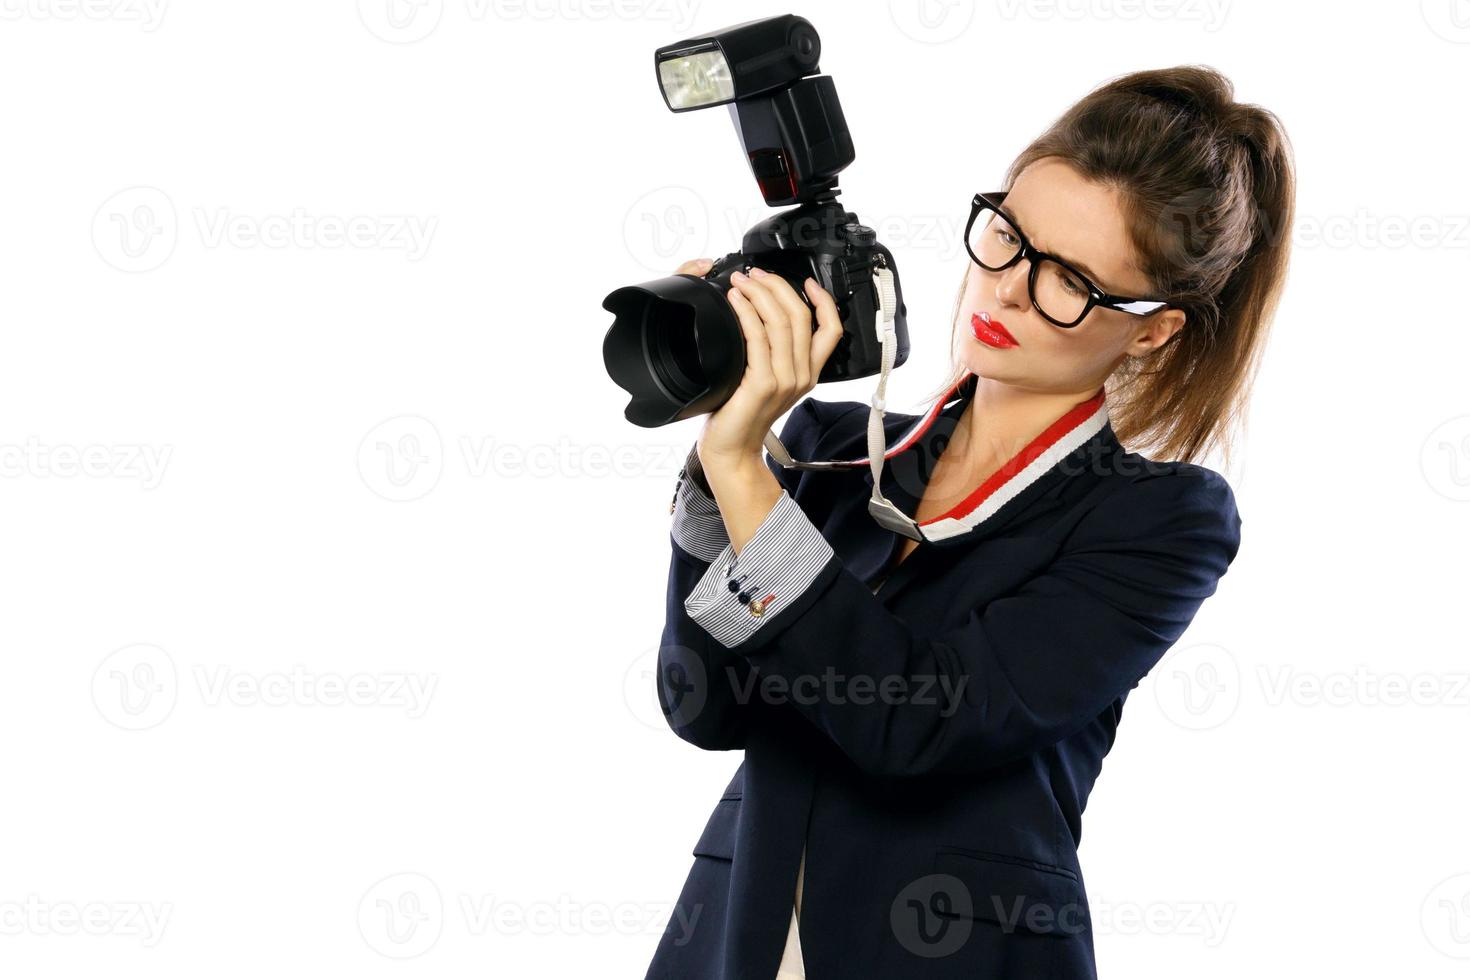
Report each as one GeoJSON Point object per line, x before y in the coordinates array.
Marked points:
{"type": "Point", "coordinates": [813, 422]}
{"type": "Point", "coordinates": [822, 430]}
{"type": "Point", "coordinates": [1173, 506]}
{"type": "Point", "coordinates": [834, 428]}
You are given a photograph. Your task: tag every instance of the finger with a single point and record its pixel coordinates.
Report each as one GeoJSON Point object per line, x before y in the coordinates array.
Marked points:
{"type": "Point", "coordinates": [777, 330]}
{"type": "Point", "coordinates": [799, 315]}
{"type": "Point", "coordinates": [695, 267]}
{"type": "Point", "coordinates": [829, 325]}
{"type": "Point", "coordinates": [757, 347]}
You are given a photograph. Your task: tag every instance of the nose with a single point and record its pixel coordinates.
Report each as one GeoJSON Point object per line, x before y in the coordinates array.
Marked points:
{"type": "Point", "coordinates": [1012, 289]}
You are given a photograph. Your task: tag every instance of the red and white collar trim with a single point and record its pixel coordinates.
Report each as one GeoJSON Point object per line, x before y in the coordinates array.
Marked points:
{"type": "Point", "coordinates": [1057, 441]}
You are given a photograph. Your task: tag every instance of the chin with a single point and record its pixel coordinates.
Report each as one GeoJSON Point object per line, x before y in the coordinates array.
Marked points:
{"type": "Point", "coordinates": [988, 362]}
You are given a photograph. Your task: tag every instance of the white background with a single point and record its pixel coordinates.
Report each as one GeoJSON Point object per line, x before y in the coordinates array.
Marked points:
{"type": "Point", "coordinates": [250, 465]}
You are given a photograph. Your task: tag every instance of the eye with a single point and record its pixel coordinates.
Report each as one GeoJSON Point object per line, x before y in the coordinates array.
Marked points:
{"type": "Point", "coordinates": [1072, 286]}
{"type": "Point", "coordinates": [1005, 237]}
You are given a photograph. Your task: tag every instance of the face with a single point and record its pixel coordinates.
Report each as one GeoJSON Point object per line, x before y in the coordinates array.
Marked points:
{"type": "Point", "coordinates": [1083, 223]}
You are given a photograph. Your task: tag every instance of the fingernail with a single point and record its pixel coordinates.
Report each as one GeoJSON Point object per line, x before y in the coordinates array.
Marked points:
{"type": "Point", "coordinates": [705, 263]}
{"type": "Point", "coordinates": [758, 272]}
{"type": "Point", "coordinates": [737, 276]}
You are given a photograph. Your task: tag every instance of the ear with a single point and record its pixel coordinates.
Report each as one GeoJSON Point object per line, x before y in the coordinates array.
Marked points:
{"type": "Point", "coordinates": [1156, 331]}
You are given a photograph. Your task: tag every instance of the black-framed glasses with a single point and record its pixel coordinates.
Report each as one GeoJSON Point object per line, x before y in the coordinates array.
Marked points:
{"type": "Point", "coordinates": [1060, 292]}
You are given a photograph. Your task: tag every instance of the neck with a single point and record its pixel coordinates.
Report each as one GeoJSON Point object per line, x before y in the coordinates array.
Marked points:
{"type": "Point", "coordinates": [1001, 419]}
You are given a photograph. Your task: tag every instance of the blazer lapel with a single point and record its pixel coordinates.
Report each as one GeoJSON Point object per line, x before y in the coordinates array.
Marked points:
{"type": "Point", "coordinates": [1070, 446]}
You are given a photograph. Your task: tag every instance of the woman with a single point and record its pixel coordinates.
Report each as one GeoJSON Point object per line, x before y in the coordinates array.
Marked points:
{"type": "Point", "coordinates": [923, 718]}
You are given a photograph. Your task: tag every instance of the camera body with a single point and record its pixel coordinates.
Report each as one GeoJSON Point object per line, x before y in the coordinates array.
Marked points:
{"type": "Point", "coordinates": [829, 244]}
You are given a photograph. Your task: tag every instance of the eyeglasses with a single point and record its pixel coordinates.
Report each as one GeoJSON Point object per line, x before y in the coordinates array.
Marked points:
{"type": "Point", "coordinates": [1060, 292]}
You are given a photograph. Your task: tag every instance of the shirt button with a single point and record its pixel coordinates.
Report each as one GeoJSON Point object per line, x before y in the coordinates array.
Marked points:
{"type": "Point", "coordinates": [744, 597]}
{"type": "Point", "coordinates": [733, 586]}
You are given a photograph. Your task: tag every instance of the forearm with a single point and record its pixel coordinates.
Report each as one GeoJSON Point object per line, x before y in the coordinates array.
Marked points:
{"type": "Point", "coordinates": [745, 490]}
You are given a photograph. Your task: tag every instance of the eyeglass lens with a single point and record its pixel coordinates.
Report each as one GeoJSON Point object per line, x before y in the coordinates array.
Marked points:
{"type": "Point", "coordinates": [993, 243]}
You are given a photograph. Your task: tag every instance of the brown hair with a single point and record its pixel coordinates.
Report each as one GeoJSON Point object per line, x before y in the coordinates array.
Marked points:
{"type": "Point", "coordinates": [1208, 186]}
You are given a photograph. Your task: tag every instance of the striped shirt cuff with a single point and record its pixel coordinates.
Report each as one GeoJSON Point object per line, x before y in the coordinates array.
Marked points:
{"type": "Point", "coordinates": [698, 527]}
{"type": "Point", "coordinates": [740, 593]}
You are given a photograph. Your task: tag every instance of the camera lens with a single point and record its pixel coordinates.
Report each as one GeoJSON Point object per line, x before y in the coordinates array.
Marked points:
{"type": "Point", "coordinates": [673, 352]}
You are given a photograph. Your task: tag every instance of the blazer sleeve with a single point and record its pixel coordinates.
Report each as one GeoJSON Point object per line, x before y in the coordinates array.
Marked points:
{"type": "Point", "coordinates": [1021, 672]}
{"type": "Point", "coordinates": [702, 687]}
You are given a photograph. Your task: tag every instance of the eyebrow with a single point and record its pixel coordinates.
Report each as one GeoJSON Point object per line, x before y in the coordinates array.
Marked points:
{"type": "Point", "coordinates": [1080, 266]}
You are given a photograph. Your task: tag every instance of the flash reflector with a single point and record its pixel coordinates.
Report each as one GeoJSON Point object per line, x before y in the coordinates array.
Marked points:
{"type": "Point", "coordinates": [692, 81]}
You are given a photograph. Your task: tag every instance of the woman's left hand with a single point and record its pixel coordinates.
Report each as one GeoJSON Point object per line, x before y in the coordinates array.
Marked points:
{"type": "Point", "coordinates": [783, 358]}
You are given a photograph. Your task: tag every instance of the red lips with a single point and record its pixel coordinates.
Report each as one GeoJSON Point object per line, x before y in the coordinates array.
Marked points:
{"type": "Point", "coordinates": [991, 331]}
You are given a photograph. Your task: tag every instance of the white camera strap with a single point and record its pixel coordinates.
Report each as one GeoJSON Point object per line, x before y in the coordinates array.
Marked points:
{"type": "Point", "coordinates": [883, 510]}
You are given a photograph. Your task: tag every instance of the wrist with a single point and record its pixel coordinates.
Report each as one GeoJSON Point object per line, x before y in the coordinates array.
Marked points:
{"type": "Point", "coordinates": [694, 472]}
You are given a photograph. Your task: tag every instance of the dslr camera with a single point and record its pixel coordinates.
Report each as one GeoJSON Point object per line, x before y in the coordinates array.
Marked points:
{"type": "Point", "coordinates": [675, 344]}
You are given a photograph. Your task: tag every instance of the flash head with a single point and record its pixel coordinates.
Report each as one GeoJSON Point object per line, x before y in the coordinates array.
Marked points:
{"type": "Point", "coordinates": [737, 62]}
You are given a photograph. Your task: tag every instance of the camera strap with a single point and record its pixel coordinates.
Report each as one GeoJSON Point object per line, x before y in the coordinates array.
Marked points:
{"type": "Point", "coordinates": [883, 510]}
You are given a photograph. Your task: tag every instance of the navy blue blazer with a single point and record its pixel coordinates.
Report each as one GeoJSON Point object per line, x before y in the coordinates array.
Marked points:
{"type": "Point", "coordinates": [932, 743]}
